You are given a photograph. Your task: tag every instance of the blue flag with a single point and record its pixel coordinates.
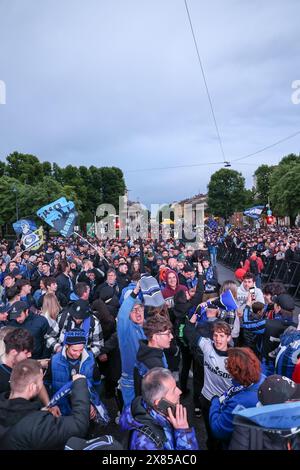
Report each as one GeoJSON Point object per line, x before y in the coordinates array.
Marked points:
{"type": "Point", "coordinates": [24, 226]}
{"type": "Point", "coordinates": [254, 212]}
{"type": "Point", "coordinates": [60, 215]}
{"type": "Point", "coordinates": [212, 224]}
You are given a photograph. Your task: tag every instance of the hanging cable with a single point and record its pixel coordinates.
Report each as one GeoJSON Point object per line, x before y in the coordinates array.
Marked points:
{"type": "Point", "coordinates": [267, 147]}
{"type": "Point", "coordinates": [205, 83]}
{"type": "Point", "coordinates": [181, 166]}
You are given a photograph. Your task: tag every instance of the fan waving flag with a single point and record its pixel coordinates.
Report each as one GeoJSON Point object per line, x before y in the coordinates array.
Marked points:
{"type": "Point", "coordinates": [212, 224]}
{"type": "Point", "coordinates": [24, 226]}
{"type": "Point", "coordinates": [61, 215]}
{"type": "Point", "coordinates": [254, 212]}
{"type": "Point", "coordinates": [33, 240]}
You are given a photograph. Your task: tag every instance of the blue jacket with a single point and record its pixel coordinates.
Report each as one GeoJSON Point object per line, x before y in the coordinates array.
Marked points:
{"type": "Point", "coordinates": [129, 335]}
{"type": "Point", "coordinates": [270, 427]}
{"type": "Point", "coordinates": [130, 287]}
{"type": "Point", "coordinates": [221, 408]}
{"type": "Point", "coordinates": [288, 354]}
{"type": "Point", "coordinates": [60, 371]}
{"type": "Point", "coordinates": [138, 415]}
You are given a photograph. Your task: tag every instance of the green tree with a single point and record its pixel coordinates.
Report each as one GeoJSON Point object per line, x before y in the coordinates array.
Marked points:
{"type": "Point", "coordinates": [285, 188]}
{"type": "Point", "coordinates": [23, 167]}
{"type": "Point", "coordinates": [2, 169]}
{"type": "Point", "coordinates": [40, 183]}
{"type": "Point", "coordinates": [47, 169]}
{"type": "Point", "coordinates": [30, 198]}
{"type": "Point", "coordinates": [9, 194]}
{"type": "Point", "coordinates": [262, 189]}
{"type": "Point", "coordinates": [113, 185]}
{"type": "Point", "coordinates": [226, 193]}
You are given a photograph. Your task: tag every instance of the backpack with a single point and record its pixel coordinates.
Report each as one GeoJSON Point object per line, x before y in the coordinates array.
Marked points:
{"type": "Point", "coordinates": [63, 317]}
{"type": "Point", "coordinates": [155, 434]}
{"type": "Point", "coordinates": [99, 443]}
{"type": "Point", "coordinates": [254, 267]}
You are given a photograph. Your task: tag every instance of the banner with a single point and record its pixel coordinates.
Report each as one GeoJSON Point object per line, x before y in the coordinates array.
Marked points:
{"type": "Point", "coordinates": [61, 215]}
{"type": "Point", "coordinates": [33, 240]}
{"type": "Point", "coordinates": [254, 212]}
{"type": "Point", "coordinates": [24, 226]}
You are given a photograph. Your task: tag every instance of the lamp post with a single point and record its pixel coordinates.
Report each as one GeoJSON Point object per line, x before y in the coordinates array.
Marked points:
{"type": "Point", "coordinates": [15, 190]}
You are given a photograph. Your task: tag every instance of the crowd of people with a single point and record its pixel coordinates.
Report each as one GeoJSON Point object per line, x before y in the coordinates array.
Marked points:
{"type": "Point", "coordinates": [145, 323]}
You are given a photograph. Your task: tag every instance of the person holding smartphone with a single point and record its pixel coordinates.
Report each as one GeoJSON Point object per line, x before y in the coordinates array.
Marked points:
{"type": "Point", "coordinates": [156, 420]}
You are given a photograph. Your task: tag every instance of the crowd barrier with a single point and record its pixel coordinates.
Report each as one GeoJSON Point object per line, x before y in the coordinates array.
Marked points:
{"type": "Point", "coordinates": [286, 272]}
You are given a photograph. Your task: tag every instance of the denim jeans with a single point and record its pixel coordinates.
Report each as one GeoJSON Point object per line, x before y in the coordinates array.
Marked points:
{"type": "Point", "coordinates": [258, 281]}
{"type": "Point", "coordinates": [213, 256]}
{"type": "Point", "coordinates": [127, 388]}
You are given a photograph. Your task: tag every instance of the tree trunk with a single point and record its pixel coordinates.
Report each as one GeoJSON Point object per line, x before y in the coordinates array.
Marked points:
{"type": "Point", "coordinates": [292, 220]}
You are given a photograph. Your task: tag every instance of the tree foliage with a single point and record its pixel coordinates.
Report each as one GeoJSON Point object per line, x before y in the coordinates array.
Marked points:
{"type": "Point", "coordinates": [262, 190]}
{"type": "Point", "coordinates": [23, 178]}
{"type": "Point", "coordinates": [285, 187]}
{"type": "Point", "coordinates": [226, 193]}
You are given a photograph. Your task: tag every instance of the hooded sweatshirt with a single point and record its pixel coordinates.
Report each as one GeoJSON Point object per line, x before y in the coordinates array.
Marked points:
{"type": "Point", "coordinates": [270, 427]}
{"type": "Point", "coordinates": [168, 292]}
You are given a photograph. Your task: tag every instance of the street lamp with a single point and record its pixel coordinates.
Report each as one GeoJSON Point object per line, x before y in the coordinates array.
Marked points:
{"type": "Point", "coordinates": [15, 190]}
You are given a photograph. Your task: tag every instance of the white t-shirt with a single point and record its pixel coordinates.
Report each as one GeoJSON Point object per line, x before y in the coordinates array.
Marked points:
{"type": "Point", "coordinates": [216, 377]}
{"type": "Point", "coordinates": [242, 296]}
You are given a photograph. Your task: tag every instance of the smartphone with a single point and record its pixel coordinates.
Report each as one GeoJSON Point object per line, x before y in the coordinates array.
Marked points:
{"type": "Point", "coordinates": [252, 292]}
{"type": "Point", "coordinates": [163, 406]}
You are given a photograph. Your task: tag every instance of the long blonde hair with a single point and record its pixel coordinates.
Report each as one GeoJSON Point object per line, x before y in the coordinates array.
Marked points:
{"type": "Point", "coordinates": [51, 306]}
{"type": "Point", "coordinates": [229, 285]}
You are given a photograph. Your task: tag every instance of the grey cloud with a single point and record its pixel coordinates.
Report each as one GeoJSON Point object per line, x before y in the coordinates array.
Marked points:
{"type": "Point", "coordinates": [118, 83]}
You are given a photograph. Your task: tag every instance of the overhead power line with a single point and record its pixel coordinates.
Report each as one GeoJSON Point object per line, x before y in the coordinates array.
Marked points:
{"type": "Point", "coordinates": [180, 166]}
{"type": "Point", "coordinates": [267, 147]}
{"type": "Point", "coordinates": [218, 163]}
{"type": "Point", "coordinates": [205, 83]}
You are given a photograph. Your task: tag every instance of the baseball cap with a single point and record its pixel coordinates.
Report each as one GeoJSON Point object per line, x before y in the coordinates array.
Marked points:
{"type": "Point", "coordinates": [16, 309]}
{"type": "Point", "coordinates": [181, 257]}
{"type": "Point", "coordinates": [15, 272]}
{"type": "Point", "coordinates": [80, 310]}
{"type": "Point", "coordinates": [4, 308]}
{"type": "Point", "coordinates": [278, 389]}
{"type": "Point", "coordinates": [188, 268]}
{"type": "Point", "coordinates": [285, 301]}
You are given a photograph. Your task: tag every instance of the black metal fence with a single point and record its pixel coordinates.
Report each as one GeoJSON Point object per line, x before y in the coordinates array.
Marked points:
{"type": "Point", "coordinates": [288, 273]}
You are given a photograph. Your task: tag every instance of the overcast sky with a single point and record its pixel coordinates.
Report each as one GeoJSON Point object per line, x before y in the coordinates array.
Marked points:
{"type": "Point", "coordinates": [117, 82]}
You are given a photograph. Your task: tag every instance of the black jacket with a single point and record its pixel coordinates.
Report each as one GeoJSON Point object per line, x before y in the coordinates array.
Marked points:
{"type": "Point", "coordinates": [38, 326]}
{"type": "Point", "coordinates": [64, 285]}
{"type": "Point", "coordinates": [122, 280]}
{"type": "Point", "coordinates": [150, 358]}
{"type": "Point", "coordinates": [23, 426]}
{"type": "Point", "coordinates": [249, 436]}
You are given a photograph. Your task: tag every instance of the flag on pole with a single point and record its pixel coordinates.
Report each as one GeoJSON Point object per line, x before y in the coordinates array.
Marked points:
{"type": "Point", "coordinates": [33, 240]}
{"type": "Point", "coordinates": [254, 212]}
{"type": "Point", "coordinates": [24, 226]}
{"type": "Point", "coordinates": [61, 215]}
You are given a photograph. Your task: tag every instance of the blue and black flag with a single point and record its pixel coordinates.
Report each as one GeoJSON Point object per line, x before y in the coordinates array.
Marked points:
{"type": "Point", "coordinates": [60, 215]}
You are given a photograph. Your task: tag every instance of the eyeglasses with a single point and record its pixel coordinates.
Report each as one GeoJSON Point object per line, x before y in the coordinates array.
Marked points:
{"type": "Point", "coordinates": [137, 309]}
{"type": "Point", "coordinates": [167, 333]}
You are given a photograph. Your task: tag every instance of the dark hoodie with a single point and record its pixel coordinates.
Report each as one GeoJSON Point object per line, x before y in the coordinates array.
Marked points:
{"type": "Point", "coordinates": [147, 358]}
{"type": "Point", "coordinates": [23, 426]}
{"type": "Point", "coordinates": [12, 411]}
{"type": "Point", "coordinates": [151, 357]}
